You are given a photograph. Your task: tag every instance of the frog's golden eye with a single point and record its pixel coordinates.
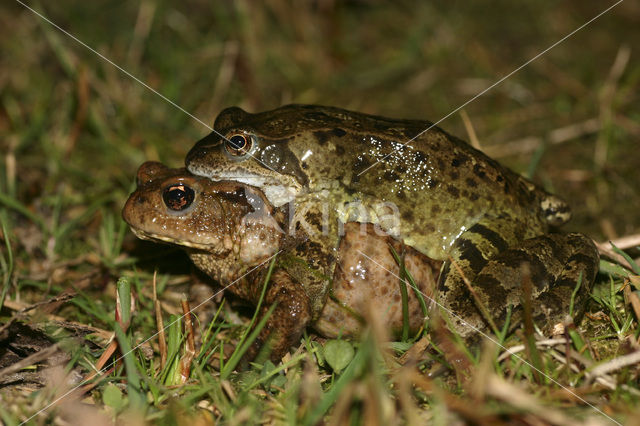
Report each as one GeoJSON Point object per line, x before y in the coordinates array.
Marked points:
{"type": "Point", "coordinates": [238, 145]}
{"type": "Point", "coordinates": [178, 197]}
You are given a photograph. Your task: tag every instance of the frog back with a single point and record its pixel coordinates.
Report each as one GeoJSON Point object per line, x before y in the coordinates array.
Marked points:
{"type": "Point", "coordinates": [436, 184]}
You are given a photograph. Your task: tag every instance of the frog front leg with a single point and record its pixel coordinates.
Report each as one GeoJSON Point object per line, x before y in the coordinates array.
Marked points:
{"type": "Point", "coordinates": [313, 236]}
{"type": "Point", "coordinates": [289, 318]}
{"type": "Point", "coordinates": [554, 263]}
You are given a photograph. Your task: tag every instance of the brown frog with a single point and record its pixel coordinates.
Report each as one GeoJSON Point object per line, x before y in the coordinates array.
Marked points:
{"type": "Point", "coordinates": [230, 231]}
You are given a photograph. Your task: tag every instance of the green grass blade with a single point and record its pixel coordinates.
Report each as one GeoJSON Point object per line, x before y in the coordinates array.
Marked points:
{"type": "Point", "coordinates": [136, 396]}
{"type": "Point", "coordinates": [7, 264]}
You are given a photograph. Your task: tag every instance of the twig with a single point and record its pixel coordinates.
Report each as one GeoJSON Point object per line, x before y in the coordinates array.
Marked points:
{"type": "Point", "coordinates": [626, 242]}
{"type": "Point", "coordinates": [30, 360]}
{"type": "Point", "coordinates": [604, 380]}
{"type": "Point", "coordinates": [632, 298]}
{"type": "Point", "coordinates": [471, 132]}
{"type": "Point", "coordinates": [606, 100]}
{"type": "Point", "coordinates": [541, 343]}
{"type": "Point", "coordinates": [21, 311]}
{"type": "Point", "coordinates": [622, 243]}
{"type": "Point", "coordinates": [517, 397]}
{"type": "Point", "coordinates": [190, 346]}
{"type": "Point", "coordinates": [615, 364]}
{"type": "Point", "coordinates": [559, 135]}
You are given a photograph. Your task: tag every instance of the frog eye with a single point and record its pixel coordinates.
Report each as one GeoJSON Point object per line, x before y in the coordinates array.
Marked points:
{"type": "Point", "coordinates": [178, 197]}
{"type": "Point", "coordinates": [238, 145]}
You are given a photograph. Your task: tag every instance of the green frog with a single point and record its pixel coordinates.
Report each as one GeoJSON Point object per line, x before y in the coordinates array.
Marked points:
{"type": "Point", "coordinates": [231, 231]}
{"type": "Point", "coordinates": [416, 183]}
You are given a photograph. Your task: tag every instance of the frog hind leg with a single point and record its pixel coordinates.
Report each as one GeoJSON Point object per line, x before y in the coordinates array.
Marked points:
{"type": "Point", "coordinates": [468, 256]}
{"type": "Point", "coordinates": [555, 265]}
{"type": "Point", "coordinates": [291, 315]}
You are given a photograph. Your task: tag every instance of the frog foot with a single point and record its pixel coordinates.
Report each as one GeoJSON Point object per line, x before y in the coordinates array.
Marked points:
{"type": "Point", "coordinates": [290, 316]}
{"type": "Point", "coordinates": [560, 268]}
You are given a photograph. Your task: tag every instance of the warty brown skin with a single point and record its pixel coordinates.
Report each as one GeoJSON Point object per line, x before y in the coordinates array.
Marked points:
{"type": "Point", "coordinates": [227, 231]}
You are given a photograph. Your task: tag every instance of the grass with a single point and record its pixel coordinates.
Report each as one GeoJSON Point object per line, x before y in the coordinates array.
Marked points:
{"type": "Point", "coordinates": [73, 131]}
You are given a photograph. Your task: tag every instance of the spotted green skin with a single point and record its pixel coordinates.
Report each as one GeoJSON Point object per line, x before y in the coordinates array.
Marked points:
{"type": "Point", "coordinates": [454, 203]}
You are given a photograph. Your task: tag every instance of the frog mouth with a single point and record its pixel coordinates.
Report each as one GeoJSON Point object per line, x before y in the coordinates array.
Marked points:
{"type": "Point", "coordinates": [277, 193]}
{"type": "Point", "coordinates": [150, 236]}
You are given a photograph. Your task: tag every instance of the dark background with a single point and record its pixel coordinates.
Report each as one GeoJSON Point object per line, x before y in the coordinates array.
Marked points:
{"type": "Point", "coordinates": [75, 126]}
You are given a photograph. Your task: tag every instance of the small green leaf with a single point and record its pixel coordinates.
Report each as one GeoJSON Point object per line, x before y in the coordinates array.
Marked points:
{"type": "Point", "coordinates": [267, 368]}
{"type": "Point", "coordinates": [278, 381]}
{"type": "Point", "coordinates": [338, 354]}
{"type": "Point", "coordinates": [112, 397]}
